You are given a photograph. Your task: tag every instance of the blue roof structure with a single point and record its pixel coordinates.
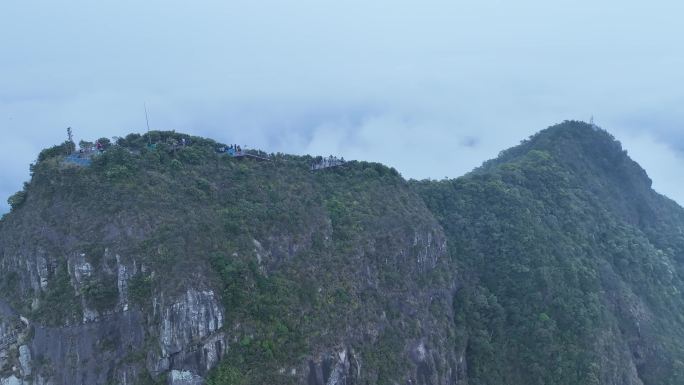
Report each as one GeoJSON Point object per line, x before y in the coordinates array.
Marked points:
{"type": "Point", "coordinates": [78, 160]}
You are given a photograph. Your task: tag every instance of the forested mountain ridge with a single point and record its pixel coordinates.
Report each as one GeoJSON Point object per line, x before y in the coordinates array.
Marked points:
{"type": "Point", "coordinates": [555, 263]}
{"type": "Point", "coordinates": [574, 263]}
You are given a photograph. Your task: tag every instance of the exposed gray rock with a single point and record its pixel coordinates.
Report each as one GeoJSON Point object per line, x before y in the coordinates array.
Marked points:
{"type": "Point", "coordinates": [82, 269]}
{"type": "Point", "coordinates": [212, 351]}
{"type": "Point", "coordinates": [25, 360]}
{"type": "Point", "coordinates": [12, 380]}
{"type": "Point", "coordinates": [89, 315]}
{"type": "Point", "coordinates": [77, 354]}
{"type": "Point", "coordinates": [182, 377]}
{"type": "Point", "coordinates": [123, 274]}
{"type": "Point", "coordinates": [157, 365]}
{"type": "Point", "coordinates": [333, 369]}
{"type": "Point", "coordinates": [188, 338]}
{"type": "Point", "coordinates": [42, 270]}
{"type": "Point", "coordinates": [189, 320]}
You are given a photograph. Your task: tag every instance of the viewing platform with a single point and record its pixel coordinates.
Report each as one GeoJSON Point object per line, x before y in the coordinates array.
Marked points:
{"type": "Point", "coordinates": [329, 162]}
{"type": "Point", "coordinates": [82, 158]}
{"type": "Point", "coordinates": [239, 153]}
{"type": "Point", "coordinates": [243, 154]}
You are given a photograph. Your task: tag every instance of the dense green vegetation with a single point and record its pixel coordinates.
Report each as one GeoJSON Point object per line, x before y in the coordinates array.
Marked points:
{"type": "Point", "coordinates": [559, 238]}
{"type": "Point", "coordinates": [560, 266]}
{"type": "Point", "coordinates": [297, 257]}
{"type": "Point", "coordinates": [63, 306]}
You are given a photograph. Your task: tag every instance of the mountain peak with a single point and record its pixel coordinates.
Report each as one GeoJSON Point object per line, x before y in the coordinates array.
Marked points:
{"type": "Point", "coordinates": [589, 136]}
{"type": "Point", "coordinates": [582, 148]}
{"type": "Point", "coordinates": [160, 262]}
{"type": "Point", "coordinates": [576, 135]}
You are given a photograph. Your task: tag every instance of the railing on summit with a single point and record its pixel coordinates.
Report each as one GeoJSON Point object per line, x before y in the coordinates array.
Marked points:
{"type": "Point", "coordinates": [321, 163]}
{"type": "Point", "coordinates": [239, 153]}
{"type": "Point", "coordinates": [84, 156]}
{"type": "Point", "coordinates": [78, 160]}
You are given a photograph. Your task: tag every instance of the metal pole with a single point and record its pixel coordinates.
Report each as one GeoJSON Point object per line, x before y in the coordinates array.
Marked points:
{"type": "Point", "coordinates": [147, 120]}
{"type": "Point", "coordinates": [70, 134]}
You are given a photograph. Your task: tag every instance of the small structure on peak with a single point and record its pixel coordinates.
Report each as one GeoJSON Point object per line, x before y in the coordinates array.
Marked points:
{"type": "Point", "coordinates": [240, 152]}
{"type": "Point", "coordinates": [87, 151]}
{"type": "Point", "coordinates": [321, 163]}
{"type": "Point", "coordinates": [592, 124]}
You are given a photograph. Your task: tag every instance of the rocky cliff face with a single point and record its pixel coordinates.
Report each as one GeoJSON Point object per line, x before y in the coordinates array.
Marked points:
{"type": "Point", "coordinates": [181, 337]}
{"type": "Point", "coordinates": [154, 266]}
{"type": "Point", "coordinates": [555, 263]}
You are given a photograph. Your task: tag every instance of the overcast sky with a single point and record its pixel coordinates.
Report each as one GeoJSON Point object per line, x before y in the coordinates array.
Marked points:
{"type": "Point", "coordinates": [432, 88]}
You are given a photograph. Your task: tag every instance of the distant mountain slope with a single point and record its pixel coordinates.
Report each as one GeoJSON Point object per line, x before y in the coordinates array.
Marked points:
{"type": "Point", "coordinates": [174, 264]}
{"type": "Point", "coordinates": [574, 264]}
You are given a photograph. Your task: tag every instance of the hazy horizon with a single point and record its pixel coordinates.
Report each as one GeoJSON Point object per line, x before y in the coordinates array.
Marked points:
{"type": "Point", "coordinates": [432, 89]}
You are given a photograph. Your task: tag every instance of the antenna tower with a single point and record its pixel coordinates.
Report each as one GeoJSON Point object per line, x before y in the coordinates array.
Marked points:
{"type": "Point", "coordinates": [147, 120]}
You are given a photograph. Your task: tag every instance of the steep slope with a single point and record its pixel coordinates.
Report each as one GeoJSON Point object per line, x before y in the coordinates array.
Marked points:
{"type": "Point", "coordinates": [555, 263]}
{"type": "Point", "coordinates": [574, 265]}
{"type": "Point", "coordinates": [153, 264]}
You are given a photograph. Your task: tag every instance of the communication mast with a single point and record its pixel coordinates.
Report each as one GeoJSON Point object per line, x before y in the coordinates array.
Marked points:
{"type": "Point", "coordinates": [147, 121]}
{"type": "Point", "coordinates": [71, 146]}
{"type": "Point", "coordinates": [593, 125]}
